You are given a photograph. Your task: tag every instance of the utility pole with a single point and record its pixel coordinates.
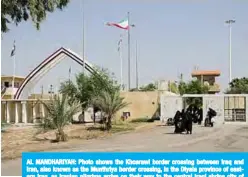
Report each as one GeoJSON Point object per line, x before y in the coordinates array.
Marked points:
{"type": "Point", "coordinates": [230, 22]}
{"type": "Point", "coordinates": [136, 64]}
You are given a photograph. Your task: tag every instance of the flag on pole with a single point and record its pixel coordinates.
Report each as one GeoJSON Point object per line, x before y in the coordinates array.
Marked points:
{"type": "Point", "coordinates": [13, 50]}
{"type": "Point", "coordinates": [122, 24]}
{"type": "Point", "coordinates": [119, 43]}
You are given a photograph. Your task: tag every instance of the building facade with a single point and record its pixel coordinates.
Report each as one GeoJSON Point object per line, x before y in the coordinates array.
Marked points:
{"type": "Point", "coordinates": [7, 91]}
{"type": "Point", "coordinates": [208, 77]}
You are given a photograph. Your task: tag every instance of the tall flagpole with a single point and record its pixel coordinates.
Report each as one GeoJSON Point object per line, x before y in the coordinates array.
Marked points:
{"type": "Point", "coordinates": [14, 68]}
{"type": "Point", "coordinates": [136, 64]}
{"type": "Point", "coordinates": [83, 39]}
{"type": "Point", "coordinates": [129, 27]}
{"type": "Point", "coordinates": [13, 80]}
{"type": "Point", "coordinates": [121, 60]}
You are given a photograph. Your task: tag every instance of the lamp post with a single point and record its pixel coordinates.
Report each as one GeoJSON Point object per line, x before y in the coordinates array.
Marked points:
{"type": "Point", "coordinates": [230, 22]}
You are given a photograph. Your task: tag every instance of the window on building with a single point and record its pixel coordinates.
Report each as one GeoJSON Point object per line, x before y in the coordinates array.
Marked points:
{"type": "Point", "coordinates": [6, 84]}
{"type": "Point", "coordinates": [16, 84]}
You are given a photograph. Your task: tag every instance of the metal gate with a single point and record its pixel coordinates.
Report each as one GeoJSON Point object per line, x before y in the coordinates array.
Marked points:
{"type": "Point", "coordinates": [235, 108]}
{"type": "Point", "coordinates": [169, 106]}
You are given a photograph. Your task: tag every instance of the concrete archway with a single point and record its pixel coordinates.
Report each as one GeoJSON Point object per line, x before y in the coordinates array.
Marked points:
{"type": "Point", "coordinates": [50, 62]}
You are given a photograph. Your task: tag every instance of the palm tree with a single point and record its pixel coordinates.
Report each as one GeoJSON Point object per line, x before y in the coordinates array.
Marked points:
{"type": "Point", "coordinates": [109, 103]}
{"type": "Point", "coordinates": [60, 113]}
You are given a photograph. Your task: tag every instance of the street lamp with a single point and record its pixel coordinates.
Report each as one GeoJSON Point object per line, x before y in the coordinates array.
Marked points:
{"type": "Point", "coordinates": [230, 22]}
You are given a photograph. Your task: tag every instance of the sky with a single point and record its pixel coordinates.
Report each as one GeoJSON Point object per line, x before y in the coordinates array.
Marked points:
{"type": "Point", "coordinates": [172, 36]}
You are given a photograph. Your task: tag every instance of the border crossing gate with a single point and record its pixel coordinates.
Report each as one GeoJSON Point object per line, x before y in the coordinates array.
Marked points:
{"type": "Point", "coordinates": [229, 107]}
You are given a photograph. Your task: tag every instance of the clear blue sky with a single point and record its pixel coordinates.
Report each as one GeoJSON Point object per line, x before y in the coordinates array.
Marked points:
{"type": "Point", "coordinates": [173, 37]}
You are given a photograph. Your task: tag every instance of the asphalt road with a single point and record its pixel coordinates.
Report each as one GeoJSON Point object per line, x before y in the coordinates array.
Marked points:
{"type": "Point", "coordinates": [159, 139]}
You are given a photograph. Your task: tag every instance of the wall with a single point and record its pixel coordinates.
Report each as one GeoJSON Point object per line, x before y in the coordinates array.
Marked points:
{"type": "Point", "coordinates": [18, 81]}
{"type": "Point", "coordinates": [169, 106]}
{"type": "Point", "coordinates": [214, 101]}
{"type": "Point", "coordinates": [142, 104]}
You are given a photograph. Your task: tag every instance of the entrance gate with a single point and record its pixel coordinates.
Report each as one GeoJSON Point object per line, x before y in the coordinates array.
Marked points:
{"type": "Point", "coordinates": [229, 108]}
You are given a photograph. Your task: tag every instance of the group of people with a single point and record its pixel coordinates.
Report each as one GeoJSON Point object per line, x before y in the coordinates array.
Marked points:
{"type": "Point", "coordinates": [184, 120]}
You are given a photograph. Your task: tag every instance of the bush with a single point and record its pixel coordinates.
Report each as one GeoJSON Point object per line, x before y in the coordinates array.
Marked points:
{"type": "Point", "coordinates": [140, 120]}
{"type": "Point", "coordinates": [4, 125]}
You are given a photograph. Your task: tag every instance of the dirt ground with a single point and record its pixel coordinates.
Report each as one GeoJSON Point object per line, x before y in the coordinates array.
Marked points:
{"type": "Point", "coordinates": [158, 138]}
{"type": "Point", "coordinates": [16, 140]}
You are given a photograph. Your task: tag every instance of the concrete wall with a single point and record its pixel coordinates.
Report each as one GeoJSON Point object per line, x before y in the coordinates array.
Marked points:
{"type": "Point", "coordinates": [142, 104]}
{"type": "Point", "coordinates": [247, 109]}
{"type": "Point", "coordinates": [217, 102]}
{"type": "Point", "coordinates": [169, 106]}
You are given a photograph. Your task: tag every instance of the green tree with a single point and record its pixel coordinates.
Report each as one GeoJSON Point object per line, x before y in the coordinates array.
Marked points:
{"type": "Point", "coordinates": [149, 87]}
{"type": "Point", "coordinates": [60, 114]}
{"type": "Point", "coordinates": [238, 86]}
{"type": "Point", "coordinates": [182, 88]}
{"type": "Point", "coordinates": [173, 87]}
{"type": "Point", "coordinates": [81, 92]}
{"type": "Point", "coordinates": [69, 88]}
{"type": "Point", "coordinates": [18, 10]}
{"type": "Point", "coordinates": [193, 87]}
{"type": "Point", "coordinates": [89, 86]}
{"type": "Point", "coordinates": [109, 103]}
{"type": "Point", "coordinates": [103, 80]}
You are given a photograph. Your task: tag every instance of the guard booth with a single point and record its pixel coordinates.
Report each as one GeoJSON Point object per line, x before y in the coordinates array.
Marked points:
{"type": "Point", "coordinates": [229, 107]}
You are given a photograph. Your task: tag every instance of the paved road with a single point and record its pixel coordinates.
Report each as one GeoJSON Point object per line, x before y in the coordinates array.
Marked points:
{"type": "Point", "coordinates": [227, 138]}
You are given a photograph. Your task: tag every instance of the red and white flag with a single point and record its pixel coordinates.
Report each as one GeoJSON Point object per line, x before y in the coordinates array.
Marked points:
{"type": "Point", "coordinates": [122, 24]}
